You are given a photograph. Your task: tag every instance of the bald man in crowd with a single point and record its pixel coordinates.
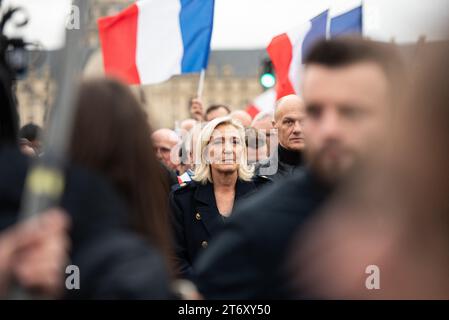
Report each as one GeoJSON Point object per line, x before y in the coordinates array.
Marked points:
{"type": "Point", "coordinates": [288, 120]}
{"type": "Point", "coordinates": [164, 140]}
{"type": "Point", "coordinates": [243, 117]}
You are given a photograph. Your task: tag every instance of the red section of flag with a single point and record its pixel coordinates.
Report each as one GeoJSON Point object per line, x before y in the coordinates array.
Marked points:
{"type": "Point", "coordinates": [252, 110]}
{"type": "Point", "coordinates": [280, 51]}
{"type": "Point", "coordinates": [118, 37]}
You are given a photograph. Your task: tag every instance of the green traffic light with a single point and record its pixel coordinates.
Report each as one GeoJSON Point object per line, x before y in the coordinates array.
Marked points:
{"type": "Point", "coordinates": [267, 80]}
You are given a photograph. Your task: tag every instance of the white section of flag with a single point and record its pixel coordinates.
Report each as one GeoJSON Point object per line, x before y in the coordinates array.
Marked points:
{"type": "Point", "coordinates": [159, 34]}
{"type": "Point", "coordinates": [296, 36]}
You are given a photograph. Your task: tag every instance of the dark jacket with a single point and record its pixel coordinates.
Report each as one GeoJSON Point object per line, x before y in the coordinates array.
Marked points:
{"type": "Point", "coordinates": [114, 262]}
{"type": "Point", "coordinates": [196, 219]}
{"type": "Point", "coordinates": [247, 260]}
{"type": "Point", "coordinates": [288, 163]}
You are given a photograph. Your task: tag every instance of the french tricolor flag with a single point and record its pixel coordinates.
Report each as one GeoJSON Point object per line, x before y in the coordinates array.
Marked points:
{"type": "Point", "coordinates": [288, 50]}
{"type": "Point", "coordinates": [152, 40]}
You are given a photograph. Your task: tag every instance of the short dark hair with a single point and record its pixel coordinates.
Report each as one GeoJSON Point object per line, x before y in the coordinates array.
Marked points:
{"type": "Point", "coordinates": [216, 107]}
{"type": "Point", "coordinates": [30, 131]}
{"type": "Point", "coordinates": [343, 51]}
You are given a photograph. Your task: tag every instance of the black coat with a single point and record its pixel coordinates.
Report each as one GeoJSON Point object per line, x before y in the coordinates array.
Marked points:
{"type": "Point", "coordinates": [196, 219]}
{"type": "Point", "coordinates": [285, 164]}
{"type": "Point", "coordinates": [114, 262]}
{"type": "Point", "coordinates": [289, 163]}
{"type": "Point", "coordinates": [247, 260]}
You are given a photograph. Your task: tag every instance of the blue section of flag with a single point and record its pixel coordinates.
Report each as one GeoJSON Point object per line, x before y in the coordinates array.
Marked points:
{"type": "Point", "coordinates": [347, 23]}
{"type": "Point", "coordinates": [196, 20]}
{"type": "Point", "coordinates": [317, 32]}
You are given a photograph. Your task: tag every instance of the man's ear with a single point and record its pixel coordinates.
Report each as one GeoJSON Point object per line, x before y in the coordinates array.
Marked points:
{"type": "Point", "coordinates": [273, 123]}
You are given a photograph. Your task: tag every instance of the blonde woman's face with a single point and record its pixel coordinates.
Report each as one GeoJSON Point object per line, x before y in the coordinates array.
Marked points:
{"type": "Point", "coordinates": [225, 149]}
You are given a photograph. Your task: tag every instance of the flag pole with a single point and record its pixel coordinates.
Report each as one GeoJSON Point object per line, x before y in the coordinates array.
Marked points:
{"type": "Point", "coordinates": [328, 24]}
{"type": "Point", "coordinates": [363, 18]}
{"type": "Point", "coordinates": [201, 84]}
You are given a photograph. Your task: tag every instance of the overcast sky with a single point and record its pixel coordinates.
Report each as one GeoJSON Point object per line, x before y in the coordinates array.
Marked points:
{"type": "Point", "coordinates": [252, 23]}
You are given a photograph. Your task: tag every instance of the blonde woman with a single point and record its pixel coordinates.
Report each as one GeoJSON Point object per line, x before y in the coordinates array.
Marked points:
{"type": "Point", "coordinates": [222, 177]}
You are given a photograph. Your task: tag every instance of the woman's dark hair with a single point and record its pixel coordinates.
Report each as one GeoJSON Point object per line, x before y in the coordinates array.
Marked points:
{"type": "Point", "coordinates": [111, 135]}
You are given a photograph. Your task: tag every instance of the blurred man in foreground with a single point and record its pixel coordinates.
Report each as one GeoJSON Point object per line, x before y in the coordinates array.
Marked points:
{"type": "Point", "coordinates": [385, 236]}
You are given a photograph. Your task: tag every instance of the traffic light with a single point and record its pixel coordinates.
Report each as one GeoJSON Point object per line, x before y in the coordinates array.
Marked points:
{"type": "Point", "coordinates": [267, 78]}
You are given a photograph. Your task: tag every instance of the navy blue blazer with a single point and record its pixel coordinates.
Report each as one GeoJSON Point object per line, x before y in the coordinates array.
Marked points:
{"type": "Point", "coordinates": [196, 219]}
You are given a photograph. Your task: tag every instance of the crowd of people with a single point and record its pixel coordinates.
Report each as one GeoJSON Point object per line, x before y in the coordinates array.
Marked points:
{"type": "Point", "coordinates": [295, 203]}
